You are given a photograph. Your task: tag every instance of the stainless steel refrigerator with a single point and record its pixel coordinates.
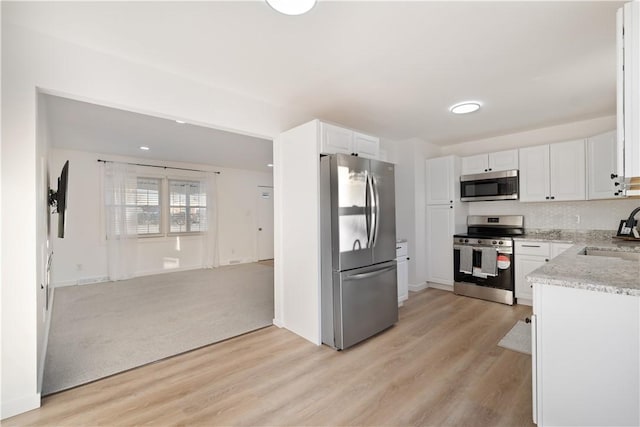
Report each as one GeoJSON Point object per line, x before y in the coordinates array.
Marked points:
{"type": "Point", "coordinates": [358, 235]}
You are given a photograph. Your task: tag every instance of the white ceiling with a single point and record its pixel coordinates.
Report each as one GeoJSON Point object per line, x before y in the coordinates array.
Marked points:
{"type": "Point", "coordinates": [390, 68]}
{"type": "Point", "coordinates": [82, 126]}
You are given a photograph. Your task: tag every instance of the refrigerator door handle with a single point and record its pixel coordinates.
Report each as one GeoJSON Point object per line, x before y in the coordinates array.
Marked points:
{"type": "Point", "coordinates": [370, 274]}
{"type": "Point", "coordinates": [367, 208]}
{"type": "Point", "coordinates": [376, 205]}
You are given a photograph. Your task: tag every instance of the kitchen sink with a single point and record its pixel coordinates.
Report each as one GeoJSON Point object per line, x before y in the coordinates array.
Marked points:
{"type": "Point", "coordinates": [629, 256]}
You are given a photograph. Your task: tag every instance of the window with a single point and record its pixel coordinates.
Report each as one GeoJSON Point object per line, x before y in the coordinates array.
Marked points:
{"type": "Point", "coordinates": [146, 206]}
{"type": "Point", "coordinates": [187, 206]}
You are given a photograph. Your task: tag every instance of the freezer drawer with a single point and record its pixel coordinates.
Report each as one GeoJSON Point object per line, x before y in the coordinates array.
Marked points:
{"type": "Point", "coordinates": [365, 302]}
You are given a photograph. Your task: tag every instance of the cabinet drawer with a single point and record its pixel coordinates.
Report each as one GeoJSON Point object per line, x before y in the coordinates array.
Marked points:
{"type": "Point", "coordinates": [532, 248]}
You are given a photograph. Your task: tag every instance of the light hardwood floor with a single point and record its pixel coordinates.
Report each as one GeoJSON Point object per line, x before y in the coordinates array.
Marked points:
{"type": "Point", "coordinates": [440, 365]}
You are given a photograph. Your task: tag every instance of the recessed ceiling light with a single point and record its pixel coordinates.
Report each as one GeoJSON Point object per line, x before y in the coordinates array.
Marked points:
{"type": "Point", "coordinates": [144, 148]}
{"type": "Point", "coordinates": [465, 107]}
{"type": "Point", "coordinates": [269, 165]}
{"type": "Point", "coordinates": [180, 122]}
{"type": "Point", "coordinates": [292, 7]}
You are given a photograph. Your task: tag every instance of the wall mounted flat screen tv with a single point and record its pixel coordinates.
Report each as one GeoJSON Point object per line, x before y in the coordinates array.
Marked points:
{"type": "Point", "coordinates": [58, 199]}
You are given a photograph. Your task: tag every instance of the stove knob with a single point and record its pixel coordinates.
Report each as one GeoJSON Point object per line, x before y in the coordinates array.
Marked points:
{"type": "Point", "coordinates": [494, 242]}
{"type": "Point", "coordinates": [461, 240]}
{"type": "Point", "coordinates": [479, 241]}
{"type": "Point", "coordinates": [501, 242]}
{"type": "Point", "coordinates": [466, 240]}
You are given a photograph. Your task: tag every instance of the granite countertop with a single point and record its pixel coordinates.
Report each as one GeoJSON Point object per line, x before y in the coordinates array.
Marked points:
{"type": "Point", "coordinates": [573, 269]}
{"type": "Point", "coordinates": [566, 236]}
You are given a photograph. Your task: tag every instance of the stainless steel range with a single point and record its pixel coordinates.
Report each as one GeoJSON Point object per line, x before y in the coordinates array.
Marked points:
{"type": "Point", "coordinates": [483, 261]}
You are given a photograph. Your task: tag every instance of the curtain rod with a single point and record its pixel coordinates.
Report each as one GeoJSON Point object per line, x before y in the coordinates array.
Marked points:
{"type": "Point", "coordinates": [156, 166]}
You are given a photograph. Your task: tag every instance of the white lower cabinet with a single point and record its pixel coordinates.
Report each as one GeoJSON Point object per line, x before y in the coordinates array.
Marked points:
{"type": "Point", "coordinates": [530, 255]}
{"type": "Point", "coordinates": [585, 357]}
{"type": "Point", "coordinates": [403, 272]}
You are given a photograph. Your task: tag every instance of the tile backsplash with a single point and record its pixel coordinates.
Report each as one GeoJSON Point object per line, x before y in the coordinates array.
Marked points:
{"type": "Point", "coordinates": [582, 215]}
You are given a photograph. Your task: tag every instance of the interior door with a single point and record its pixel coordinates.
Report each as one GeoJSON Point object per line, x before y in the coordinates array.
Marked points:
{"type": "Point", "coordinates": [265, 223]}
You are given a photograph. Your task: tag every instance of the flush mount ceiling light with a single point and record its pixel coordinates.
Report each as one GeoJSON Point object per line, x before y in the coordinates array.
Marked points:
{"type": "Point", "coordinates": [180, 122]}
{"type": "Point", "coordinates": [144, 148]}
{"type": "Point", "coordinates": [292, 7]}
{"type": "Point", "coordinates": [269, 165]}
{"type": "Point", "coordinates": [465, 107]}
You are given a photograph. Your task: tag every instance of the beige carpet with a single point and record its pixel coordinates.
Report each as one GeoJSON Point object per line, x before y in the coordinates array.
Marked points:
{"type": "Point", "coordinates": [101, 329]}
{"type": "Point", "coordinates": [518, 338]}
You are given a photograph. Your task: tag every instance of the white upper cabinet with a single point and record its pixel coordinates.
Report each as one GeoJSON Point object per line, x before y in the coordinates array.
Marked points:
{"type": "Point", "coordinates": [553, 172]}
{"type": "Point", "coordinates": [335, 139]}
{"type": "Point", "coordinates": [492, 162]}
{"type": "Point", "coordinates": [628, 96]}
{"type": "Point", "coordinates": [534, 173]}
{"type": "Point", "coordinates": [601, 165]}
{"type": "Point", "coordinates": [366, 145]}
{"type": "Point", "coordinates": [441, 181]}
{"type": "Point", "coordinates": [567, 165]}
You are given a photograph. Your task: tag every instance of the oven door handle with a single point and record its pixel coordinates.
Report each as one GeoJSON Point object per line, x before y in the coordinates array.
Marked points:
{"type": "Point", "coordinates": [506, 251]}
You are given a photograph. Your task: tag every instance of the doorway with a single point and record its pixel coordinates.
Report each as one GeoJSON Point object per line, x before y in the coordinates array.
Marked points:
{"type": "Point", "coordinates": [265, 223]}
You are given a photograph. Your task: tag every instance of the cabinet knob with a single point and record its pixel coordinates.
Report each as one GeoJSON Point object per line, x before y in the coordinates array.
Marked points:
{"type": "Point", "coordinates": [614, 176]}
{"type": "Point", "coordinates": [547, 197]}
{"type": "Point", "coordinates": [450, 201]}
{"type": "Point", "coordinates": [408, 258]}
{"type": "Point", "coordinates": [490, 169]}
{"type": "Point", "coordinates": [527, 320]}
{"type": "Point", "coordinates": [546, 260]}
{"type": "Point", "coordinates": [450, 207]}
{"type": "Point", "coordinates": [616, 183]}
{"type": "Point", "coordinates": [486, 170]}
{"type": "Point", "coordinates": [553, 197]}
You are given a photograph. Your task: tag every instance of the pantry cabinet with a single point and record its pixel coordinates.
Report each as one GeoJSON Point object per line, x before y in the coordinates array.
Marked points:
{"type": "Point", "coordinates": [445, 216]}
{"type": "Point", "coordinates": [335, 139]}
{"type": "Point", "coordinates": [553, 172]}
{"type": "Point", "coordinates": [402, 271]}
{"type": "Point", "coordinates": [491, 162]}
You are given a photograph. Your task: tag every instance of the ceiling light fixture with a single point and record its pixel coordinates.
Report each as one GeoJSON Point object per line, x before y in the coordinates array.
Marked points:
{"type": "Point", "coordinates": [465, 107]}
{"type": "Point", "coordinates": [180, 122]}
{"type": "Point", "coordinates": [144, 148]}
{"type": "Point", "coordinates": [269, 165]}
{"type": "Point", "coordinates": [292, 7]}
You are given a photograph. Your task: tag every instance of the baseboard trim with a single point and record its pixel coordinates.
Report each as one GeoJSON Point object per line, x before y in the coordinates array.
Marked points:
{"type": "Point", "coordinates": [278, 323]}
{"type": "Point", "coordinates": [440, 286]}
{"type": "Point", "coordinates": [419, 287]}
{"type": "Point", "coordinates": [18, 406]}
{"type": "Point", "coordinates": [524, 301]}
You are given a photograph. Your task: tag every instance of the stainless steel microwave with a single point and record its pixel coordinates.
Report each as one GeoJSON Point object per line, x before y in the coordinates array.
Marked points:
{"type": "Point", "coordinates": [502, 185]}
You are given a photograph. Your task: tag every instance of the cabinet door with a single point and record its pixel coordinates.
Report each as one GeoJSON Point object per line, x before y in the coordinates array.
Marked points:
{"type": "Point", "coordinates": [439, 176]}
{"type": "Point", "coordinates": [335, 139]}
{"type": "Point", "coordinates": [366, 145]}
{"type": "Point", "coordinates": [558, 248]}
{"type": "Point", "coordinates": [403, 279]}
{"type": "Point", "coordinates": [440, 244]}
{"type": "Point", "coordinates": [503, 160]}
{"type": "Point", "coordinates": [534, 173]}
{"type": "Point", "coordinates": [525, 264]}
{"type": "Point", "coordinates": [601, 163]}
{"type": "Point", "coordinates": [475, 164]}
{"type": "Point", "coordinates": [567, 166]}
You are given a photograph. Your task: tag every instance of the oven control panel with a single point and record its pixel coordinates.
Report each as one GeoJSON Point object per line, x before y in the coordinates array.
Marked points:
{"type": "Point", "coordinates": [472, 241]}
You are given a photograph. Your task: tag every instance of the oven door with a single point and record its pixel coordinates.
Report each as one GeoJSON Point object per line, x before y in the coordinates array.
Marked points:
{"type": "Point", "coordinates": [489, 186]}
{"type": "Point", "coordinates": [504, 279]}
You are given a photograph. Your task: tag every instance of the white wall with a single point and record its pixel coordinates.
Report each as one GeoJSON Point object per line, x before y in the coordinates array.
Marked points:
{"type": "Point", "coordinates": [30, 61]}
{"type": "Point", "coordinates": [81, 257]}
{"type": "Point", "coordinates": [547, 135]}
{"type": "Point", "coordinates": [297, 230]}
